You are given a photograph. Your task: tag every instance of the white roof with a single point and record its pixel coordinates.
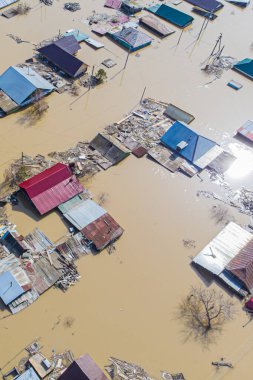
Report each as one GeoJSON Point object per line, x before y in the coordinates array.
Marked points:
{"type": "Point", "coordinates": [223, 248]}
{"type": "Point", "coordinates": [208, 157]}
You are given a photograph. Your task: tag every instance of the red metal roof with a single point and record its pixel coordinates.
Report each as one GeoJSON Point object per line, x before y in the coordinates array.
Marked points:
{"type": "Point", "coordinates": [52, 187]}
{"type": "Point", "coordinates": [242, 265]}
{"type": "Point", "coordinates": [102, 231]}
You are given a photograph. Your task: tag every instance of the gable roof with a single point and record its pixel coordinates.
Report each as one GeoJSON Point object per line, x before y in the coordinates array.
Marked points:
{"type": "Point", "coordinates": [9, 288]}
{"type": "Point", "coordinates": [242, 265]}
{"type": "Point", "coordinates": [132, 37]}
{"type": "Point", "coordinates": [207, 5]}
{"type": "Point", "coordinates": [68, 44]}
{"type": "Point", "coordinates": [199, 150]}
{"type": "Point", "coordinates": [83, 368]}
{"type": "Point", "coordinates": [65, 61]}
{"type": "Point", "coordinates": [156, 25]}
{"type": "Point", "coordinates": [20, 82]}
{"type": "Point", "coordinates": [245, 67]}
{"type": "Point", "coordinates": [171, 15]}
{"type": "Point", "coordinates": [219, 252]}
{"type": "Point", "coordinates": [51, 187]}
{"type": "Point", "coordinates": [29, 374]}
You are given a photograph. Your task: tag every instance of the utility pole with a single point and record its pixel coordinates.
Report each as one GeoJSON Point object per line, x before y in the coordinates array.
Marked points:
{"type": "Point", "coordinates": [127, 59]}
{"type": "Point", "coordinates": [180, 37]}
{"type": "Point", "coordinates": [91, 76]}
{"type": "Point", "coordinates": [143, 94]}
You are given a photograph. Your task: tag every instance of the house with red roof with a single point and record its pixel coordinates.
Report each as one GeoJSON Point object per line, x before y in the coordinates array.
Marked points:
{"type": "Point", "coordinates": [48, 189]}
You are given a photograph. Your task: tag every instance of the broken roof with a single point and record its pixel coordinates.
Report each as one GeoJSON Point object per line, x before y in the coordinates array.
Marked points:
{"type": "Point", "coordinates": [217, 254]}
{"type": "Point", "coordinates": [171, 15]}
{"type": "Point", "coordinates": [63, 60]}
{"type": "Point", "coordinates": [51, 187]}
{"type": "Point", "coordinates": [21, 82]}
{"type": "Point", "coordinates": [102, 231]}
{"type": "Point", "coordinates": [9, 288]}
{"type": "Point", "coordinates": [198, 150]}
{"type": "Point", "coordinates": [132, 38]}
{"type": "Point", "coordinates": [242, 265]}
{"type": "Point", "coordinates": [69, 44]}
{"type": "Point", "coordinates": [110, 148]}
{"type": "Point", "coordinates": [83, 368]}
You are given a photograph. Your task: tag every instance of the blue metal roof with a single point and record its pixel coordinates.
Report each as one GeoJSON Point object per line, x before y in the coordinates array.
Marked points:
{"type": "Point", "coordinates": [20, 82]}
{"type": "Point", "coordinates": [29, 374]}
{"type": "Point", "coordinates": [245, 67]}
{"type": "Point", "coordinates": [197, 145]}
{"type": "Point", "coordinates": [79, 36]}
{"type": "Point", "coordinates": [9, 288]}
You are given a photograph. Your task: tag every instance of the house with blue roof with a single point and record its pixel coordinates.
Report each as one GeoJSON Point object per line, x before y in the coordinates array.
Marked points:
{"type": "Point", "coordinates": [19, 87]}
{"type": "Point", "coordinates": [29, 374]}
{"type": "Point", "coordinates": [9, 288]}
{"type": "Point", "coordinates": [196, 149]}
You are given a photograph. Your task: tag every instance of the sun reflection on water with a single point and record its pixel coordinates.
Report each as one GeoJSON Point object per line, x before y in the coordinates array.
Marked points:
{"type": "Point", "coordinates": [243, 165]}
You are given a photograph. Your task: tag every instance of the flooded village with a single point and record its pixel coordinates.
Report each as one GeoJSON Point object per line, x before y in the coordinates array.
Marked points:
{"type": "Point", "coordinates": [126, 196]}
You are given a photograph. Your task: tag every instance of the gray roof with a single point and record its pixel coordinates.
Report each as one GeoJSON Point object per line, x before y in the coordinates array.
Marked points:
{"type": "Point", "coordinates": [84, 213]}
{"type": "Point", "coordinates": [223, 248]}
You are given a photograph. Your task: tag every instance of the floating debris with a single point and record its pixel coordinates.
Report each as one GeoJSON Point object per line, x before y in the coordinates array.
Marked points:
{"type": "Point", "coordinates": [47, 2]}
{"type": "Point", "coordinates": [72, 7]}
{"type": "Point", "coordinates": [222, 363]}
{"type": "Point", "coordinates": [189, 243]}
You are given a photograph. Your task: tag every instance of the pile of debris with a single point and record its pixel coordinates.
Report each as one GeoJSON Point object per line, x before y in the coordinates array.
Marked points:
{"type": "Point", "coordinates": [47, 2]}
{"type": "Point", "coordinates": [72, 7]}
{"type": "Point", "coordinates": [70, 275]}
{"type": "Point", "coordinates": [96, 18]}
{"type": "Point", "coordinates": [123, 370]}
{"type": "Point", "coordinates": [21, 169]}
{"type": "Point", "coordinates": [143, 127]}
{"type": "Point", "coordinates": [86, 161]}
{"type": "Point", "coordinates": [218, 64]}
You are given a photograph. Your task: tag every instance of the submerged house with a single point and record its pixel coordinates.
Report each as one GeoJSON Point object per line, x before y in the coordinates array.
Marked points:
{"type": "Point", "coordinates": [229, 256]}
{"type": "Point", "coordinates": [63, 60]}
{"type": "Point", "coordinates": [19, 87]}
{"type": "Point", "coordinates": [48, 189]}
{"type": "Point", "coordinates": [246, 130]}
{"type": "Point", "coordinates": [207, 5]}
{"type": "Point", "coordinates": [245, 67]}
{"type": "Point", "coordinates": [130, 7]}
{"type": "Point", "coordinates": [156, 26]}
{"type": "Point", "coordinates": [83, 368]}
{"type": "Point", "coordinates": [196, 149]}
{"type": "Point", "coordinates": [68, 44]}
{"type": "Point", "coordinates": [95, 224]}
{"type": "Point", "coordinates": [109, 148]}
{"type": "Point", "coordinates": [172, 15]}
{"type": "Point", "coordinates": [131, 39]}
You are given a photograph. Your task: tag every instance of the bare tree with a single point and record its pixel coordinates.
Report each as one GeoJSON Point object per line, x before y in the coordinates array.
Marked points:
{"type": "Point", "coordinates": [205, 311]}
{"type": "Point", "coordinates": [102, 198]}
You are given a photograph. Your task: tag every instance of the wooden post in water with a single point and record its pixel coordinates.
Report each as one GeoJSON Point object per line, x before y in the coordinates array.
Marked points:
{"type": "Point", "coordinates": [180, 37]}
{"type": "Point", "coordinates": [22, 158]}
{"type": "Point", "coordinates": [91, 76]}
{"type": "Point", "coordinates": [126, 59]}
{"type": "Point", "coordinates": [143, 94]}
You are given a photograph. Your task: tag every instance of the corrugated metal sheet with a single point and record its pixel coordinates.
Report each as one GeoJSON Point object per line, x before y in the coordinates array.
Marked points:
{"type": "Point", "coordinates": [23, 301]}
{"type": "Point", "coordinates": [223, 248]}
{"type": "Point", "coordinates": [102, 231]}
{"type": "Point", "coordinates": [242, 265]}
{"type": "Point", "coordinates": [20, 83]}
{"type": "Point", "coordinates": [114, 4]}
{"type": "Point", "coordinates": [155, 25]}
{"type": "Point", "coordinates": [29, 374]}
{"type": "Point", "coordinates": [12, 264]}
{"type": "Point", "coordinates": [231, 281]}
{"type": "Point", "coordinates": [177, 114]}
{"type": "Point", "coordinates": [203, 161]}
{"type": "Point", "coordinates": [246, 130]}
{"type": "Point", "coordinates": [9, 288]}
{"type": "Point", "coordinates": [5, 3]}
{"type": "Point", "coordinates": [52, 187]}
{"type": "Point", "coordinates": [96, 44]}
{"type": "Point", "coordinates": [67, 206]}
{"type": "Point", "coordinates": [6, 103]}
{"type": "Point", "coordinates": [84, 213]}
{"type": "Point", "coordinates": [42, 274]}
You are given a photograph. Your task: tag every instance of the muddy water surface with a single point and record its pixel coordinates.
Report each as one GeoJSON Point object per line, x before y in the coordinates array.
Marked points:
{"type": "Point", "coordinates": [125, 303]}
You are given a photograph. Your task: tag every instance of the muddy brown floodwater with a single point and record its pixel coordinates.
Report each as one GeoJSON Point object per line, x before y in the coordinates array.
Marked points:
{"type": "Point", "coordinates": [125, 303]}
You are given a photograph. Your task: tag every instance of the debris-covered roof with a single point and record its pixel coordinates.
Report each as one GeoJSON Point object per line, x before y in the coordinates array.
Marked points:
{"type": "Point", "coordinates": [110, 148]}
